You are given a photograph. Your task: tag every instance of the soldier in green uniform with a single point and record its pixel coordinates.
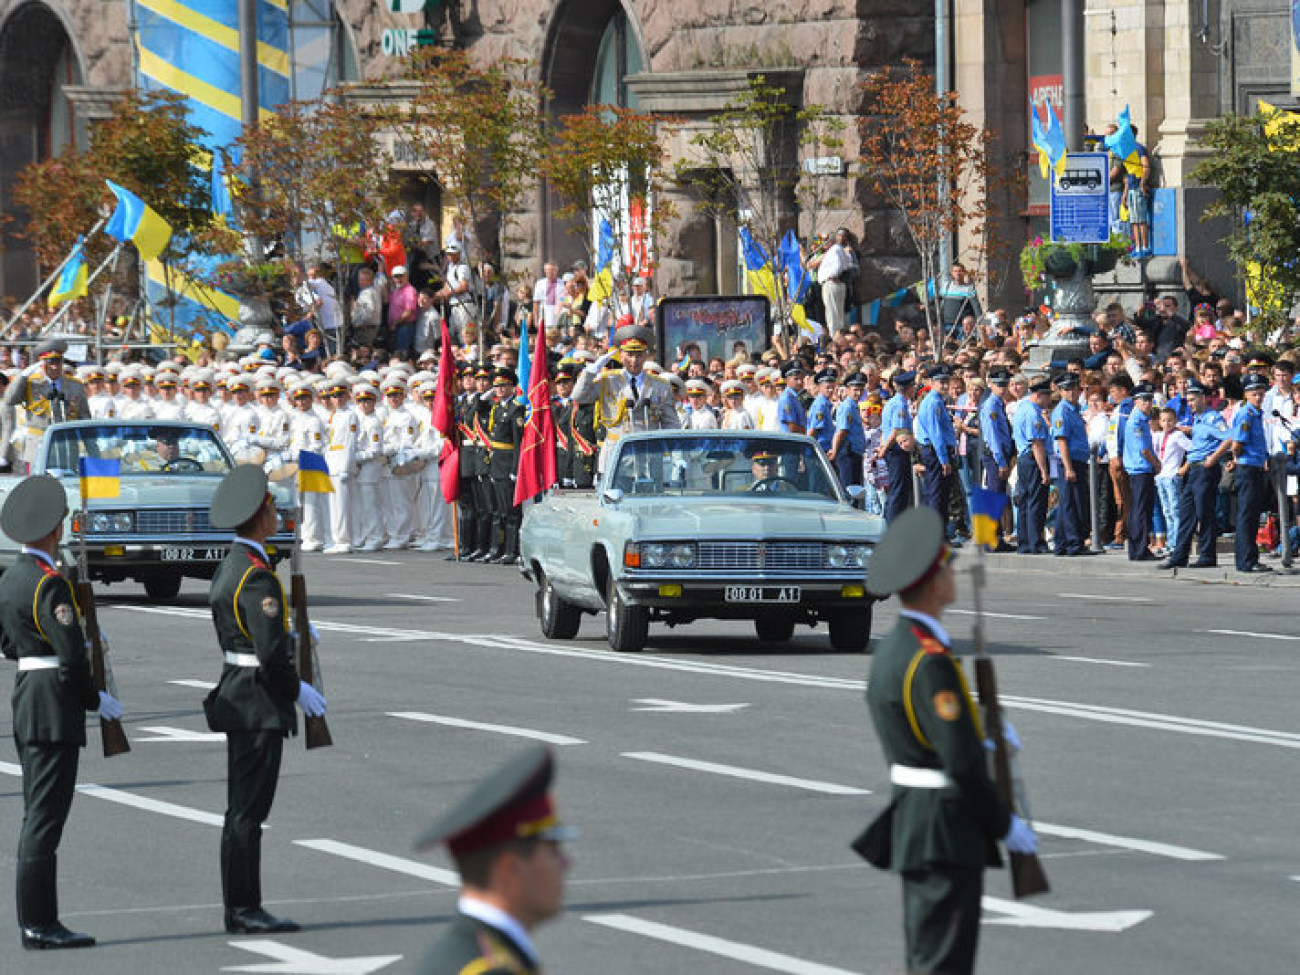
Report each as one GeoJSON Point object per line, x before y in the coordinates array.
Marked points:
{"type": "Point", "coordinates": [41, 626]}
{"type": "Point", "coordinates": [505, 837]}
{"type": "Point", "coordinates": [254, 697]}
{"type": "Point", "coordinates": [562, 411]}
{"type": "Point", "coordinates": [505, 433]}
{"type": "Point", "coordinates": [943, 823]}
{"type": "Point", "coordinates": [584, 440]}
{"type": "Point", "coordinates": [478, 410]}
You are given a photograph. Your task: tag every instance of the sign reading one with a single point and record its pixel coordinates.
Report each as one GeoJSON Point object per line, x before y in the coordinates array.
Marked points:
{"type": "Point", "coordinates": [1080, 199]}
{"type": "Point", "coordinates": [400, 41]}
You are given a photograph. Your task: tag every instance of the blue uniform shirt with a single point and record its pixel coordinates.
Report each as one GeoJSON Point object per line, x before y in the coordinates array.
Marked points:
{"type": "Point", "coordinates": [934, 426]}
{"type": "Point", "coordinates": [1067, 424]}
{"type": "Point", "coordinates": [1137, 437]}
{"type": "Point", "coordinates": [1209, 429]}
{"type": "Point", "coordinates": [895, 415]}
{"type": "Point", "coordinates": [821, 422]}
{"type": "Point", "coordinates": [1248, 430]}
{"type": "Point", "coordinates": [1028, 425]}
{"type": "Point", "coordinates": [849, 419]}
{"type": "Point", "coordinates": [995, 430]}
{"type": "Point", "coordinates": [789, 410]}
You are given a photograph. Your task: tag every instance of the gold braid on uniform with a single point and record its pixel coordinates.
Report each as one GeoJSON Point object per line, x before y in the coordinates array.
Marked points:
{"type": "Point", "coordinates": [620, 414]}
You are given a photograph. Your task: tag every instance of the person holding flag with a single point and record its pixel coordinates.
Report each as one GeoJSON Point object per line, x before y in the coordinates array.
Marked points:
{"type": "Point", "coordinates": [537, 460]}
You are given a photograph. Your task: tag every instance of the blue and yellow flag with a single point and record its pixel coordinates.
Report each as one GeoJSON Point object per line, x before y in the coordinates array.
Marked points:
{"type": "Point", "coordinates": [986, 509]}
{"type": "Point", "coordinates": [71, 283]}
{"type": "Point", "coordinates": [135, 221]}
{"type": "Point", "coordinates": [602, 285]}
{"type": "Point", "coordinates": [313, 474]}
{"type": "Point", "coordinates": [758, 267]}
{"type": "Point", "coordinates": [1056, 148]}
{"type": "Point", "coordinates": [1038, 139]}
{"type": "Point", "coordinates": [99, 478]}
{"type": "Point", "coordinates": [1123, 143]}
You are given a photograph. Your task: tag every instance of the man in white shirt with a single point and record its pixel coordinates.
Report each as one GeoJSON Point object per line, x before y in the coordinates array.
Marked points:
{"type": "Point", "coordinates": [548, 292]}
{"type": "Point", "coordinates": [367, 309]}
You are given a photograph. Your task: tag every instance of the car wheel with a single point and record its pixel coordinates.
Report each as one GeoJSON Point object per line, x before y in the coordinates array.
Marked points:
{"type": "Point", "coordinates": [774, 628]}
{"type": "Point", "coordinates": [850, 629]}
{"type": "Point", "coordinates": [560, 619]}
{"type": "Point", "coordinates": [626, 626]}
{"type": "Point", "coordinates": [162, 585]}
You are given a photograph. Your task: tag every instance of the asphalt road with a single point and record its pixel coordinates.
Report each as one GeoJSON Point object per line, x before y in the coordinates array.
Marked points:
{"type": "Point", "coordinates": [717, 782]}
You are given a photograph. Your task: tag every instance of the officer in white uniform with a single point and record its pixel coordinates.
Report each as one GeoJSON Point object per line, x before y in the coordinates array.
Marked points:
{"type": "Point", "coordinates": [400, 435]}
{"type": "Point", "coordinates": [341, 445]}
{"type": "Point", "coordinates": [307, 432]}
{"type": "Point", "coordinates": [372, 470]}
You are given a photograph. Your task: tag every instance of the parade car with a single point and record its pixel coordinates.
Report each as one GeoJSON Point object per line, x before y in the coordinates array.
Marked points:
{"type": "Point", "coordinates": [718, 524]}
{"type": "Point", "coordinates": [156, 530]}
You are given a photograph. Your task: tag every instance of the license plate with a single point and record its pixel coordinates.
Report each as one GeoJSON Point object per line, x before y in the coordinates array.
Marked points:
{"type": "Point", "coordinates": [762, 594]}
{"type": "Point", "coordinates": [182, 554]}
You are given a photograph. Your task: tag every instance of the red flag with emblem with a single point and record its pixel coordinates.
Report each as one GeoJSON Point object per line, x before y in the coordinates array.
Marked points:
{"type": "Point", "coordinates": [444, 420]}
{"type": "Point", "coordinates": [537, 452]}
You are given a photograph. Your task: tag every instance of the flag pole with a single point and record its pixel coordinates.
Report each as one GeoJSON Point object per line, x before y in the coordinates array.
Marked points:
{"type": "Point", "coordinates": [40, 290]}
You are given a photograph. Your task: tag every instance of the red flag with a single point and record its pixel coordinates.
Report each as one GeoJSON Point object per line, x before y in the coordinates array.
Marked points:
{"type": "Point", "coordinates": [444, 420]}
{"type": "Point", "coordinates": [537, 452]}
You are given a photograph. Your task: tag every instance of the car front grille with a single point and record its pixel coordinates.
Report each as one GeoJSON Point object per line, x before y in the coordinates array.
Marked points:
{"type": "Point", "coordinates": [172, 521]}
{"type": "Point", "coordinates": [759, 555]}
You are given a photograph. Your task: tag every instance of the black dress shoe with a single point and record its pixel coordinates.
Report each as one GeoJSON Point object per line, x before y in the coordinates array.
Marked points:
{"type": "Point", "coordinates": [475, 556]}
{"type": "Point", "coordinates": [254, 920]}
{"type": "Point", "coordinates": [39, 937]}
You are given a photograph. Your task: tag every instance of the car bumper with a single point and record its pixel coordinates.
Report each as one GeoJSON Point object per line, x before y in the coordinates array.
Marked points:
{"type": "Point", "coordinates": [111, 559]}
{"type": "Point", "coordinates": [718, 598]}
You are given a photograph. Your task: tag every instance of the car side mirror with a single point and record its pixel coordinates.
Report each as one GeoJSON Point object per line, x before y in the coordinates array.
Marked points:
{"type": "Point", "coordinates": [612, 495]}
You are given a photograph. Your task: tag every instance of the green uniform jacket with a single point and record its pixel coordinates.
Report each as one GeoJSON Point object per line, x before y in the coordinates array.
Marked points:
{"type": "Point", "coordinates": [251, 616]}
{"type": "Point", "coordinates": [471, 947]}
{"type": "Point", "coordinates": [505, 431]}
{"type": "Point", "coordinates": [562, 416]}
{"type": "Point", "coordinates": [473, 460]}
{"type": "Point", "coordinates": [924, 716]}
{"type": "Point", "coordinates": [584, 444]}
{"type": "Point", "coordinates": [40, 618]}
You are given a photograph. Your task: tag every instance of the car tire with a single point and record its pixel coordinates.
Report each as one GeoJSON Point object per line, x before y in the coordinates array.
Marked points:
{"type": "Point", "coordinates": [850, 629]}
{"type": "Point", "coordinates": [626, 627]}
{"type": "Point", "coordinates": [162, 585]}
{"type": "Point", "coordinates": [774, 627]}
{"type": "Point", "coordinates": [560, 619]}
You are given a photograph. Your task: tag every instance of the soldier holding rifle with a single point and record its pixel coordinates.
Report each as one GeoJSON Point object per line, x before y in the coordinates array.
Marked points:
{"type": "Point", "coordinates": [253, 700]}
{"type": "Point", "coordinates": [945, 818]}
{"type": "Point", "coordinates": [54, 690]}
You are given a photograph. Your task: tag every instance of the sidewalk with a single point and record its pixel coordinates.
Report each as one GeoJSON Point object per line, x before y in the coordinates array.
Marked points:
{"type": "Point", "coordinates": [1109, 565]}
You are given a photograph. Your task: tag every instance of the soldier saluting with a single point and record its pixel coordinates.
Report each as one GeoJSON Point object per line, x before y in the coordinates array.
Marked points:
{"type": "Point", "coordinates": [45, 395]}
{"type": "Point", "coordinates": [942, 825]}
{"type": "Point", "coordinates": [253, 700]}
{"type": "Point", "coordinates": [53, 693]}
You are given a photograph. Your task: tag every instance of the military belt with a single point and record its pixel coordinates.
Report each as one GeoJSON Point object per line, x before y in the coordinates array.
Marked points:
{"type": "Point", "coordinates": [919, 778]}
{"type": "Point", "coordinates": [38, 663]}
{"type": "Point", "coordinates": [242, 659]}
{"type": "Point", "coordinates": [496, 445]}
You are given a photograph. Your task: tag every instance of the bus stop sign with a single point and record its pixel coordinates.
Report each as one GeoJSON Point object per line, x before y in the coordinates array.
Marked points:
{"type": "Point", "coordinates": [1080, 200]}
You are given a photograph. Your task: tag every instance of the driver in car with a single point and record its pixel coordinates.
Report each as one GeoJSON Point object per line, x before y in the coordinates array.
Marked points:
{"type": "Point", "coordinates": [763, 467]}
{"type": "Point", "coordinates": [166, 451]}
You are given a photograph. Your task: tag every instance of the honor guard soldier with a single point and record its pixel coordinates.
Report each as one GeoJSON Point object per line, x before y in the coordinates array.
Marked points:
{"type": "Point", "coordinates": [505, 838]}
{"type": "Point", "coordinates": [53, 692]}
{"type": "Point", "coordinates": [1250, 452]}
{"type": "Point", "coordinates": [583, 441]}
{"type": "Point", "coordinates": [505, 433]}
{"type": "Point", "coordinates": [896, 427]}
{"type": "Point", "coordinates": [473, 464]}
{"type": "Point", "coordinates": [562, 411]}
{"type": "Point", "coordinates": [1029, 430]}
{"type": "Point", "coordinates": [45, 395]}
{"type": "Point", "coordinates": [254, 697]}
{"type": "Point", "coordinates": [1070, 434]}
{"type": "Point", "coordinates": [1198, 496]}
{"type": "Point", "coordinates": [944, 818]}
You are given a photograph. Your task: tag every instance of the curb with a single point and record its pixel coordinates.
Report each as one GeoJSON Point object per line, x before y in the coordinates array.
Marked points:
{"type": "Point", "coordinates": [1112, 565]}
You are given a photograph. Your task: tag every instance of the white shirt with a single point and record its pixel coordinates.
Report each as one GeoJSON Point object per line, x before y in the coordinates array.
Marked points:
{"type": "Point", "coordinates": [494, 917]}
{"type": "Point", "coordinates": [931, 623]}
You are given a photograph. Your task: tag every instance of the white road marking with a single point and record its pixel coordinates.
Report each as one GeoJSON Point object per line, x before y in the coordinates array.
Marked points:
{"type": "Point", "coordinates": [810, 785]}
{"type": "Point", "coordinates": [1257, 636]}
{"type": "Point", "coordinates": [295, 961]}
{"type": "Point", "coordinates": [681, 707]}
{"type": "Point", "coordinates": [1097, 660]}
{"type": "Point", "coordinates": [423, 599]}
{"type": "Point", "coordinates": [995, 616]}
{"type": "Point", "coordinates": [345, 558]}
{"type": "Point", "coordinates": [166, 733]}
{"type": "Point", "coordinates": [1125, 842]}
{"type": "Point", "coordinates": [202, 685]}
{"type": "Point", "coordinates": [385, 861]}
{"type": "Point", "coordinates": [500, 729]}
{"type": "Point", "coordinates": [1019, 915]}
{"type": "Point", "coordinates": [1103, 599]}
{"type": "Point", "coordinates": [759, 957]}
{"type": "Point", "coordinates": [138, 802]}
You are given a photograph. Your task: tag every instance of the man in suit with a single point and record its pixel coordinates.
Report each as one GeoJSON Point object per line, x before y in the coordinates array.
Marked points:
{"type": "Point", "coordinates": [505, 837]}
{"type": "Point", "coordinates": [943, 823]}
{"type": "Point", "coordinates": [45, 395]}
{"type": "Point", "coordinates": [53, 692]}
{"type": "Point", "coordinates": [254, 697]}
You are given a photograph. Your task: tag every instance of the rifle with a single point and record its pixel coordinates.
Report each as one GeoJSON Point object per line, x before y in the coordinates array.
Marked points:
{"type": "Point", "coordinates": [101, 672]}
{"type": "Point", "coordinates": [316, 732]}
{"type": "Point", "coordinates": [1027, 876]}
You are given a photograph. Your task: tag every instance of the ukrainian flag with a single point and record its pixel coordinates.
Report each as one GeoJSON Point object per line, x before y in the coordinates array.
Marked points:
{"type": "Point", "coordinates": [72, 279]}
{"type": "Point", "coordinates": [99, 478]}
{"type": "Point", "coordinates": [135, 221]}
{"type": "Point", "coordinates": [602, 285]}
{"type": "Point", "coordinates": [1123, 143]}
{"type": "Point", "coordinates": [758, 267]}
{"type": "Point", "coordinates": [313, 474]}
{"type": "Point", "coordinates": [986, 509]}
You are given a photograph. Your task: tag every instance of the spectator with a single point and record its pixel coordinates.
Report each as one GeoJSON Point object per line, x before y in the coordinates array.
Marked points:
{"type": "Point", "coordinates": [1137, 191]}
{"type": "Point", "coordinates": [403, 310]}
{"type": "Point", "coordinates": [455, 292]}
{"type": "Point", "coordinates": [367, 309]}
{"type": "Point", "coordinates": [834, 263]}
{"type": "Point", "coordinates": [548, 292]}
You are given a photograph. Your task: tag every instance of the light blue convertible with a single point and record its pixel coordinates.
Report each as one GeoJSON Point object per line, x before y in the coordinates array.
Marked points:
{"type": "Point", "coordinates": [734, 524]}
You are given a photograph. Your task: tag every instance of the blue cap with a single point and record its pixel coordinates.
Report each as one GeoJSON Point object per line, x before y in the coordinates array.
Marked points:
{"type": "Point", "coordinates": [1254, 381]}
{"type": "Point", "coordinates": [904, 378]}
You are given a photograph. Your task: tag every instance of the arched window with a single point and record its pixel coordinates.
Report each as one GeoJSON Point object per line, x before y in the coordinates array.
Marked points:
{"type": "Point", "coordinates": [617, 56]}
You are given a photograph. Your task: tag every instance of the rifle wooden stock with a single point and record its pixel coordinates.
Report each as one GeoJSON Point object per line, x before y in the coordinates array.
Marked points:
{"type": "Point", "coordinates": [316, 732]}
{"type": "Point", "coordinates": [1027, 876]}
{"type": "Point", "coordinates": [111, 732]}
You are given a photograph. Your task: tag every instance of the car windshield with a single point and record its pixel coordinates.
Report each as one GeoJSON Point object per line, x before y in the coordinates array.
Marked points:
{"type": "Point", "coordinates": [723, 466]}
{"type": "Point", "coordinates": [139, 448]}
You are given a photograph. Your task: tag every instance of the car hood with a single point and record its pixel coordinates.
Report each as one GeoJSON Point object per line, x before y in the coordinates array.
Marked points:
{"type": "Point", "coordinates": [750, 518]}
{"type": "Point", "coordinates": [161, 490]}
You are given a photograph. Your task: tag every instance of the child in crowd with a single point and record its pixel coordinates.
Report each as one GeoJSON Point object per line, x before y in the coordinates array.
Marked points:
{"type": "Point", "coordinates": [875, 472]}
{"type": "Point", "coordinates": [1171, 447]}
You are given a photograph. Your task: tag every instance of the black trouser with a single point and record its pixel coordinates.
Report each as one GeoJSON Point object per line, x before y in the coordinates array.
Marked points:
{"type": "Point", "coordinates": [941, 919]}
{"type": "Point", "coordinates": [936, 487]}
{"type": "Point", "coordinates": [1197, 500]}
{"type": "Point", "coordinates": [899, 497]}
{"type": "Point", "coordinates": [1252, 487]}
{"type": "Point", "coordinates": [1031, 505]}
{"type": "Point", "coordinates": [482, 513]}
{"type": "Point", "coordinates": [253, 769]}
{"type": "Point", "coordinates": [505, 515]}
{"type": "Point", "coordinates": [1071, 501]}
{"type": "Point", "coordinates": [49, 783]}
{"type": "Point", "coordinates": [848, 467]}
{"type": "Point", "coordinates": [1142, 495]}
{"type": "Point", "coordinates": [465, 515]}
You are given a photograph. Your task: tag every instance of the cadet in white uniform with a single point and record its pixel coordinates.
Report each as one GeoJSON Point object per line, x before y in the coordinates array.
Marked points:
{"type": "Point", "coordinates": [372, 470]}
{"type": "Point", "coordinates": [432, 513]}
{"type": "Point", "coordinates": [239, 428]}
{"type": "Point", "coordinates": [340, 449]}
{"type": "Point", "coordinates": [307, 432]}
{"type": "Point", "coordinates": [400, 434]}
{"type": "Point", "coordinates": [200, 409]}
{"type": "Point", "coordinates": [133, 405]}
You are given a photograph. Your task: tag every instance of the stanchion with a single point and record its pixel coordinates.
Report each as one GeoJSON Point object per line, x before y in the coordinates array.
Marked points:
{"type": "Point", "coordinates": [1094, 494]}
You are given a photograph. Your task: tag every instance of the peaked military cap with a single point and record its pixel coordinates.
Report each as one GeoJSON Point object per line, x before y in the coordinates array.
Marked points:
{"type": "Point", "coordinates": [634, 338]}
{"type": "Point", "coordinates": [1144, 391]}
{"type": "Point", "coordinates": [238, 497]}
{"type": "Point", "coordinates": [1042, 386]}
{"type": "Point", "coordinates": [33, 509]}
{"type": "Point", "coordinates": [938, 373]}
{"type": "Point", "coordinates": [794, 369]}
{"type": "Point", "coordinates": [1194, 386]}
{"type": "Point", "coordinates": [999, 377]}
{"type": "Point", "coordinates": [1253, 380]}
{"type": "Point", "coordinates": [505, 377]}
{"type": "Point", "coordinates": [826, 376]}
{"type": "Point", "coordinates": [912, 548]}
{"type": "Point", "coordinates": [903, 378]}
{"type": "Point", "coordinates": [51, 349]}
{"type": "Point", "coordinates": [857, 379]}
{"type": "Point", "coordinates": [1067, 380]}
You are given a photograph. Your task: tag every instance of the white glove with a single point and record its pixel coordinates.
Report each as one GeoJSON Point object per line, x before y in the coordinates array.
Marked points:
{"type": "Point", "coordinates": [109, 707]}
{"type": "Point", "coordinates": [311, 628]}
{"type": "Point", "coordinates": [1020, 838]}
{"type": "Point", "coordinates": [312, 702]}
{"type": "Point", "coordinates": [600, 363]}
{"type": "Point", "coordinates": [1009, 735]}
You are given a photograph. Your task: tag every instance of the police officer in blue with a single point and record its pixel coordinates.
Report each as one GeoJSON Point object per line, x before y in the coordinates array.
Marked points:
{"type": "Point", "coordinates": [1033, 470]}
{"type": "Point", "coordinates": [1140, 464]}
{"type": "Point", "coordinates": [938, 440]}
{"type": "Point", "coordinates": [1250, 451]}
{"type": "Point", "coordinates": [895, 422]}
{"type": "Point", "coordinates": [821, 414]}
{"type": "Point", "coordinates": [1198, 493]}
{"type": "Point", "coordinates": [1070, 434]}
{"type": "Point", "coordinates": [998, 448]}
{"type": "Point", "coordinates": [790, 413]}
{"type": "Point", "coordinates": [850, 440]}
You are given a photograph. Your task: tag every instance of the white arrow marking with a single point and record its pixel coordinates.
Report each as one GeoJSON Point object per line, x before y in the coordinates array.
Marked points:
{"type": "Point", "coordinates": [681, 707]}
{"type": "Point", "coordinates": [423, 599]}
{"type": "Point", "coordinates": [295, 961]}
{"type": "Point", "coordinates": [165, 733]}
{"type": "Point", "coordinates": [811, 785]}
{"type": "Point", "coordinates": [1024, 916]}
{"type": "Point", "coordinates": [996, 616]}
{"type": "Point", "coordinates": [500, 729]}
{"type": "Point", "coordinates": [202, 685]}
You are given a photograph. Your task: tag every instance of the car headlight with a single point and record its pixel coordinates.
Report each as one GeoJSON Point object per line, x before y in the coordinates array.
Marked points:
{"type": "Point", "coordinates": [653, 556]}
{"type": "Point", "coordinates": [101, 521]}
{"type": "Point", "coordinates": [122, 521]}
{"type": "Point", "coordinates": [847, 556]}
{"type": "Point", "coordinates": [665, 555]}
{"type": "Point", "coordinates": [681, 556]}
